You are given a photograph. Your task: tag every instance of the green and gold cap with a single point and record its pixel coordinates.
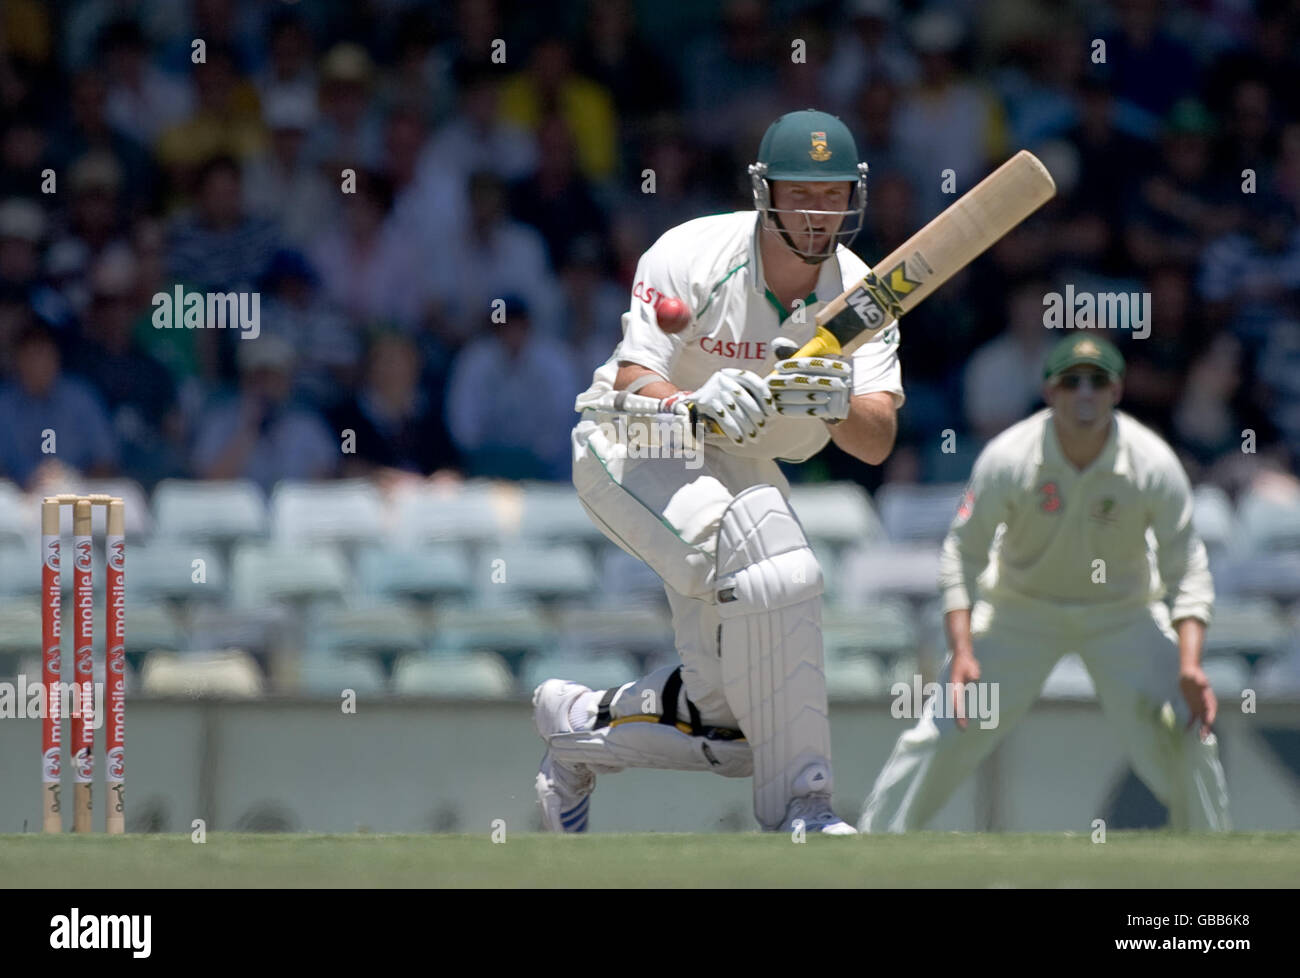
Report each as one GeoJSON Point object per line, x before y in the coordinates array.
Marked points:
{"type": "Point", "coordinates": [809, 146]}
{"type": "Point", "coordinates": [1093, 351]}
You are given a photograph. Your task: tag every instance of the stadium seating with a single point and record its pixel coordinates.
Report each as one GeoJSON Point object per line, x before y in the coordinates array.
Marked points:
{"type": "Point", "coordinates": [331, 673]}
{"type": "Point", "coordinates": [172, 569]}
{"type": "Point", "coordinates": [596, 671]}
{"type": "Point", "coordinates": [19, 568]}
{"type": "Point", "coordinates": [348, 511]}
{"type": "Point", "coordinates": [893, 569]}
{"type": "Point", "coordinates": [918, 514]}
{"type": "Point", "coordinates": [18, 524]}
{"type": "Point", "coordinates": [433, 571]}
{"type": "Point", "coordinates": [838, 512]}
{"type": "Point", "coordinates": [510, 571]}
{"type": "Point", "coordinates": [1268, 523]}
{"type": "Point", "coordinates": [218, 511]}
{"type": "Point", "coordinates": [278, 572]}
{"type": "Point", "coordinates": [466, 513]}
{"type": "Point", "coordinates": [471, 675]}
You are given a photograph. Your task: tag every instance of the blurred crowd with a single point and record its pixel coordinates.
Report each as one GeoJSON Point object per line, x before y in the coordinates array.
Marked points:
{"type": "Point", "coordinates": [526, 178]}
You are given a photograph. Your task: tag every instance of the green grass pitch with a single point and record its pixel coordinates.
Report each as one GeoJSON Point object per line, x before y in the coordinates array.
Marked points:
{"type": "Point", "coordinates": [1126, 859]}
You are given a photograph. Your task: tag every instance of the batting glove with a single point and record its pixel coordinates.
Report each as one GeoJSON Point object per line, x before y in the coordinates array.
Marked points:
{"type": "Point", "coordinates": [736, 400]}
{"type": "Point", "coordinates": [817, 387]}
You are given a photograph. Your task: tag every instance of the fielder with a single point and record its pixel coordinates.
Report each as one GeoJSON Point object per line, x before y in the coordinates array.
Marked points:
{"type": "Point", "coordinates": [745, 589]}
{"type": "Point", "coordinates": [1078, 487]}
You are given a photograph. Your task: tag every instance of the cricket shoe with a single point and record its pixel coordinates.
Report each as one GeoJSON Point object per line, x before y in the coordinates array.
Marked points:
{"type": "Point", "coordinates": [812, 806]}
{"type": "Point", "coordinates": [563, 790]}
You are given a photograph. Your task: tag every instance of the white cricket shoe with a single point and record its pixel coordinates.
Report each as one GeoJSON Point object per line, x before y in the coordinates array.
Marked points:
{"type": "Point", "coordinates": [563, 790]}
{"type": "Point", "coordinates": [815, 813]}
{"type": "Point", "coordinates": [812, 804]}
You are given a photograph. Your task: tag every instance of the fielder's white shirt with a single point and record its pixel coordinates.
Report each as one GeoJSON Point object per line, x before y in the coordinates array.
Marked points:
{"type": "Point", "coordinates": [1060, 520]}
{"type": "Point", "coordinates": [712, 264]}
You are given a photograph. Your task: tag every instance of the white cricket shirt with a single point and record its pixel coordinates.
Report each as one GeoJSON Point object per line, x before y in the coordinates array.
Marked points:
{"type": "Point", "coordinates": [1060, 521]}
{"type": "Point", "coordinates": [712, 264]}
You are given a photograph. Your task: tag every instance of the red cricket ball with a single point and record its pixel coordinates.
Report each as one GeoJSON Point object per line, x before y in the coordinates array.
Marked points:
{"type": "Point", "coordinates": [672, 314]}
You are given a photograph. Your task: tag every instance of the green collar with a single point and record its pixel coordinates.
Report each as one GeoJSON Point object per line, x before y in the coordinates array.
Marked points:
{"type": "Point", "coordinates": [809, 299]}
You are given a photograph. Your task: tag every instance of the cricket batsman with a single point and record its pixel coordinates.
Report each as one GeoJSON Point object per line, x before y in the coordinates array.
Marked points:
{"type": "Point", "coordinates": [1078, 486]}
{"type": "Point", "coordinates": [749, 697]}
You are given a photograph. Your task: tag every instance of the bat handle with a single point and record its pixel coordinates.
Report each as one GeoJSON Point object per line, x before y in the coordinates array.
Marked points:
{"type": "Point", "coordinates": [823, 344]}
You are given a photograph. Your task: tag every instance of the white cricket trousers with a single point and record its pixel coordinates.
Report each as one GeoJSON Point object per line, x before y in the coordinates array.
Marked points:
{"type": "Point", "coordinates": [666, 513]}
{"type": "Point", "coordinates": [1132, 656]}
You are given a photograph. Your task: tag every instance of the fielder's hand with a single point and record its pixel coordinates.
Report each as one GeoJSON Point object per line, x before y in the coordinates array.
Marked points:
{"type": "Point", "coordinates": [816, 387]}
{"type": "Point", "coordinates": [1201, 701]}
{"type": "Point", "coordinates": [965, 669]}
{"type": "Point", "coordinates": [736, 400]}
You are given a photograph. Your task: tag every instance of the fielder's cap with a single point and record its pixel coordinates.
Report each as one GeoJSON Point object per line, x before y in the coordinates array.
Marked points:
{"type": "Point", "coordinates": [1087, 350]}
{"type": "Point", "coordinates": [809, 145]}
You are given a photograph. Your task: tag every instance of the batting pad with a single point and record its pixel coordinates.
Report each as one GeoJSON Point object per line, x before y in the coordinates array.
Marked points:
{"type": "Point", "coordinates": [769, 587]}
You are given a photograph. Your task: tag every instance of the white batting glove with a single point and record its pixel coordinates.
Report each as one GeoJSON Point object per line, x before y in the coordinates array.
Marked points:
{"type": "Point", "coordinates": [816, 387]}
{"type": "Point", "coordinates": [736, 400]}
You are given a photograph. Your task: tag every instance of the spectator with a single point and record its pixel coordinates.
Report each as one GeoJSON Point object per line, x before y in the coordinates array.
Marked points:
{"type": "Point", "coordinates": [22, 231]}
{"type": "Point", "coordinates": [52, 422]}
{"type": "Point", "coordinates": [87, 128]}
{"type": "Point", "coordinates": [136, 390]}
{"type": "Point", "coordinates": [261, 434]}
{"type": "Point", "coordinates": [297, 311]}
{"type": "Point", "coordinates": [476, 137]}
{"type": "Point", "coordinates": [1180, 206]}
{"type": "Point", "coordinates": [1003, 380]}
{"type": "Point", "coordinates": [218, 246]}
{"type": "Point", "coordinates": [281, 184]}
{"type": "Point", "coordinates": [593, 305]}
{"type": "Point", "coordinates": [23, 153]}
{"type": "Point", "coordinates": [550, 84]}
{"type": "Point", "coordinates": [226, 120]}
{"type": "Point", "coordinates": [289, 72]}
{"type": "Point", "coordinates": [869, 51]}
{"type": "Point", "coordinates": [348, 133]}
{"type": "Point", "coordinates": [1156, 366]}
{"type": "Point", "coordinates": [142, 99]}
{"type": "Point", "coordinates": [616, 56]}
{"type": "Point", "coordinates": [510, 401]}
{"type": "Point", "coordinates": [367, 265]}
{"type": "Point", "coordinates": [1251, 277]}
{"type": "Point", "coordinates": [1152, 68]}
{"type": "Point", "coordinates": [96, 224]}
{"type": "Point", "coordinates": [556, 200]}
{"type": "Point", "coordinates": [948, 122]}
{"type": "Point", "coordinates": [491, 257]}
{"type": "Point", "coordinates": [726, 72]}
{"type": "Point", "coordinates": [398, 426]}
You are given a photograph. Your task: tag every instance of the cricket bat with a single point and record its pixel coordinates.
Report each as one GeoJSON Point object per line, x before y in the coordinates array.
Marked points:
{"type": "Point", "coordinates": [950, 242]}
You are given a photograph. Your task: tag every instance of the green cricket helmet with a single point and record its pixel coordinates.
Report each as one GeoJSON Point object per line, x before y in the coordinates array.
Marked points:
{"type": "Point", "coordinates": [811, 147]}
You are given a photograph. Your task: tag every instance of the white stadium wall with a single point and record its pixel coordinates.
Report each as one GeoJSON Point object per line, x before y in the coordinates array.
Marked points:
{"type": "Point", "coordinates": [414, 766]}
